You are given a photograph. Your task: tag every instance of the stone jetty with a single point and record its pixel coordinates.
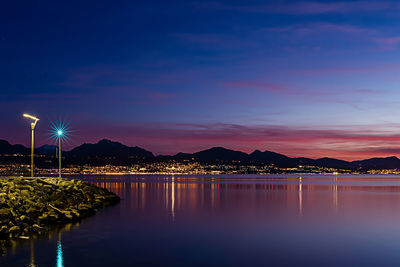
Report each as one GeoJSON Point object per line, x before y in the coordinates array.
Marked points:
{"type": "Point", "coordinates": [30, 207]}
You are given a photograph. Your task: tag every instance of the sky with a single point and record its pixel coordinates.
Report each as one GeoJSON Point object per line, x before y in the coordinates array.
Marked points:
{"type": "Point", "coordinates": [302, 78]}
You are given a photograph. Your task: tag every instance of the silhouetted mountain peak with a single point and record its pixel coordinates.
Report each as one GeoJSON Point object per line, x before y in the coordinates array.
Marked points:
{"type": "Point", "coordinates": [7, 148]}
{"type": "Point", "coordinates": [217, 149]}
{"type": "Point", "coordinates": [219, 154]}
{"type": "Point", "coordinates": [272, 157]}
{"type": "Point", "coordinates": [4, 143]}
{"type": "Point", "coordinates": [108, 148]}
{"type": "Point", "coordinates": [106, 151]}
{"type": "Point", "coordinates": [107, 141]}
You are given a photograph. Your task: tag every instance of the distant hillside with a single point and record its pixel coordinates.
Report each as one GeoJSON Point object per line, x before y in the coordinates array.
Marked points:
{"type": "Point", "coordinates": [7, 148]}
{"type": "Point", "coordinates": [110, 152]}
{"type": "Point", "coordinates": [46, 150]}
{"type": "Point", "coordinates": [335, 163]}
{"type": "Point", "coordinates": [272, 157]}
{"type": "Point", "coordinates": [220, 154]}
{"type": "Point", "coordinates": [215, 154]}
{"type": "Point", "coordinates": [106, 150]}
{"type": "Point", "coordinates": [378, 163]}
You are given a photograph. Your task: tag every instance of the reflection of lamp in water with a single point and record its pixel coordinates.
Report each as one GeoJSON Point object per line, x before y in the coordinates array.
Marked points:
{"type": "Point", "coordinates": [60, 262]}
{"type": "Point", "coordinates": [300, 196]}
{"type": "Point", "coordinates": [32, 263]}
{"type": "Point", "coordinates": [173, 198]}
{"type": "Point", "coordinates": [33, 124]}
{"type": "Point", "coordinates": [335, 194]}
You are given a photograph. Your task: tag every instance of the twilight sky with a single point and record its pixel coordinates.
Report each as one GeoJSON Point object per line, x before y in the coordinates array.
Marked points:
{"type": "Point", "coordinates": [303, 78]}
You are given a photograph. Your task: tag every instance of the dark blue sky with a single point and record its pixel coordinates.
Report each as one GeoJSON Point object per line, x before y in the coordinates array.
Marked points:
{"type": "Point", "coordinates": [313, 78]}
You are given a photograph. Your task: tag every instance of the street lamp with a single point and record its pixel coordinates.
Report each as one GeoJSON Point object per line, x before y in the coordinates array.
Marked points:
{"type": "Point", "coordinates": [33, 124]}
{"type": "Point", "coordinates": [60, 134]}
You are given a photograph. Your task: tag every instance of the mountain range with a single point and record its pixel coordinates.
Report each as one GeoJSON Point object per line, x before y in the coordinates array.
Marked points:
{"type": "Point", "coordinates": [109, 152]}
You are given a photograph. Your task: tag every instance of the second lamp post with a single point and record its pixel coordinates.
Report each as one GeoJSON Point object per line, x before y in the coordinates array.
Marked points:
{"type": "Point", "coordinates": [60, 134]}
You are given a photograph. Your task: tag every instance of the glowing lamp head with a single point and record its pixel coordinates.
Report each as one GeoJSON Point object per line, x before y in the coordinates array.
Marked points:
{"type": "Point", "coordinates": [59, 131]}
{"type": "Point", "coordinates": [33, 118]}
{"type": "Point", "coordinates": [30, 117]}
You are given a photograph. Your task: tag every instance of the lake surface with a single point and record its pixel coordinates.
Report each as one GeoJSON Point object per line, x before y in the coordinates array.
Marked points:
{"type": "Point", "coordinates": [230, 221]}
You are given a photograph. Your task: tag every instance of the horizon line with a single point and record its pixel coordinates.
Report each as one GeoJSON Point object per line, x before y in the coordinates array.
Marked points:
{"type": "Point", "coordinates": [164, 155]}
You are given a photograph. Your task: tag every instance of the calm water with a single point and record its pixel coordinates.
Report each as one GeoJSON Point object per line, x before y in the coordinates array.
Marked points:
{"type": "Point", "coordinates": [232, 220]}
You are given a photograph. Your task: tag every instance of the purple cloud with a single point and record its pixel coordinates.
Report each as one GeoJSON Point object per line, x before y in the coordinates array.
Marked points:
{"type": "Point", "coordinates": [388, 43]}
{"type": "Point", "coordinates": [201, 38]}
{"type": "Point", "coordinates": [303, 8]}
{"type": "Point", "coordinates": [319, 28]}
{"type": "Point", "coordinates": [378, 68]}
{"type": "Point", "coordinates": [269, 87]}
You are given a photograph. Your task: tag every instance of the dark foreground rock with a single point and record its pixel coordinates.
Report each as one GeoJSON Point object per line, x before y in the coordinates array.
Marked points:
{"type": "Point", "coordinates": [30, 207]}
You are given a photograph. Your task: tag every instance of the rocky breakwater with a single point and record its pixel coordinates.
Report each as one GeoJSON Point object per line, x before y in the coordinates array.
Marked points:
{"type": "Point", "coordinates": [30, 207]}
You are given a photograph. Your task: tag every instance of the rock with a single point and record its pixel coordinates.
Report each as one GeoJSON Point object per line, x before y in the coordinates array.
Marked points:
{"type": "Point", "coordinates": [83, 206]}
{"type": "Point", "coordinates": [24, 193]}
{"type": "Point", "coordinates": [4, 213]}
{"type": "Point", "coordinates": [69, 215]}
{"type": "Point", "coordinates": [4, 232]}
{"type": "Point", "coordinates": [24, 218]}
{"type": "Point", "coordinates": [29, 206]}
{"type": "Point", "coordinates": [14, 231]}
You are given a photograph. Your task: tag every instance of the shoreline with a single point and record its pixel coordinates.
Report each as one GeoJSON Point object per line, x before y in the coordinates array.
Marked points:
{"type": "Point", "coordinates": [31, 207]}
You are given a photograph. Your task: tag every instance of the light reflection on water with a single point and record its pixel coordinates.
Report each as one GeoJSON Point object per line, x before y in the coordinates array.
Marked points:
{"type": "Point", "coordinates": [56, 234]}
{"type": "Point", "coordinates": [306, 194]}
{"type": "Point", "coordinates": [271, 220]}
{"type": "Point", "coordinates": [60, 262]}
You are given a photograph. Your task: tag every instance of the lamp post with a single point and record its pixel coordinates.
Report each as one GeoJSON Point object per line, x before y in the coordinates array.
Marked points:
{"type": "Point", "coordinates": [33, 124]}
{"type": "Point", "coordinates": [59, 132]}
{"type": "Point", "coordinates": [59, 136]}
